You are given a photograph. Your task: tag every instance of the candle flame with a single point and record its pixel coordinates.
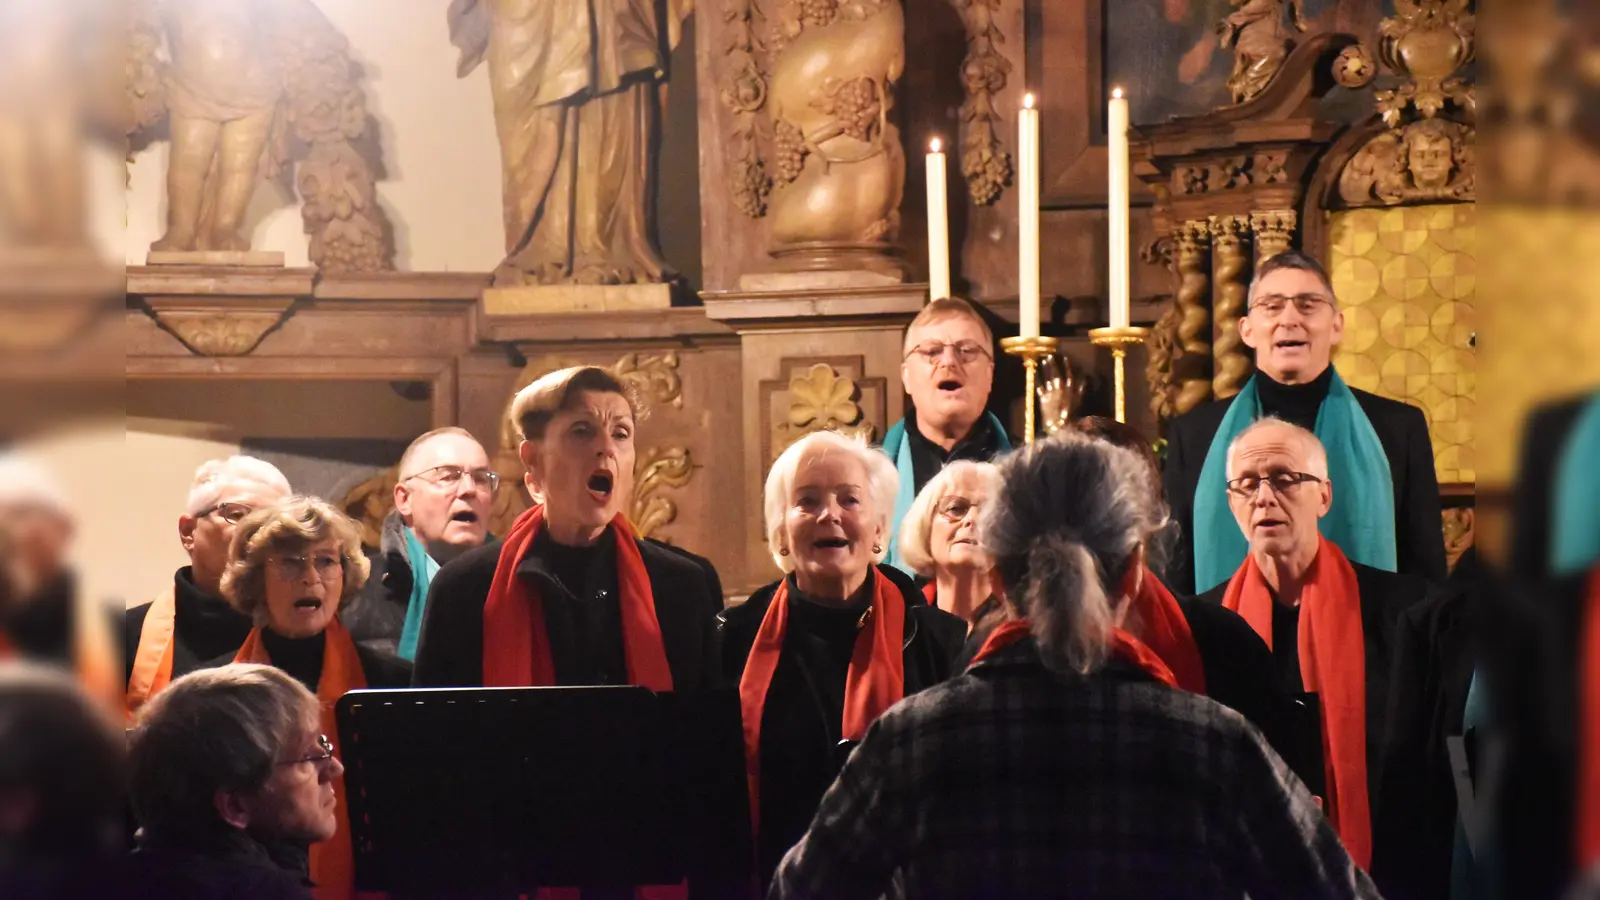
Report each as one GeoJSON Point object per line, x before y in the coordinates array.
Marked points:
{"type": "Point", "coordinates": [934, 145]}
{"type": "Point", "coordinates": [1027, 101]}
{"type": "Point", "coordinates": [1116, 93]}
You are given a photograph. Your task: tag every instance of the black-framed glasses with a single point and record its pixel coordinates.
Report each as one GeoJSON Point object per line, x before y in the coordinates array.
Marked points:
{"type": "Point", "coordinates": [967, 352]}
{"type": "Point", "coordinates": [1274, 305]}
{"type": "Point", "coordinates": [1245, 486]}
{"type": "Point", "coordinates": [232, 513]}
{"type": "Point", "coordinates": [487, 480]}
{"type": "Point", "coordinates": [955, 508]}
{"type": "Point", "coordinates": [323, 754]}
{"type": "Point", "coordinates": [326, 566]}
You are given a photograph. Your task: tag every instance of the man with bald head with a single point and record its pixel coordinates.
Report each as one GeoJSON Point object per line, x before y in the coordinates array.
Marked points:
{"type": "Point", "coordinates": [189, 624]}
{"type": "Point", "coordinates": [443, 494]}
{"type": "Point", "coordinates": [1329, 622]}
{"type": "Point", "coordinates": [1378, 448]}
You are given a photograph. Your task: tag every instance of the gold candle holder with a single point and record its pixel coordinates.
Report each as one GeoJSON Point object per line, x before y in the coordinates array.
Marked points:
{"type": "Point", "coordinates": [1032, 350]}
{"type": "Point", "coordinates": [1119, 340]}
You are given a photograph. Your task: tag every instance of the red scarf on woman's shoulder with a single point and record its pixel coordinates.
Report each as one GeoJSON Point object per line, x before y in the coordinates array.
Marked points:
{"type": "Point", "coordinates": [1165, 630]}
{"type": "Point", "coordinates": [1124, 646]}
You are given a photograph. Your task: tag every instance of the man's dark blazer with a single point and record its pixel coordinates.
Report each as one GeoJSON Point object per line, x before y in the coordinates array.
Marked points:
{"type": "Point", "coordinates": [1401, 428]}
{"type": "Point", "coordinates": [1544, 440]}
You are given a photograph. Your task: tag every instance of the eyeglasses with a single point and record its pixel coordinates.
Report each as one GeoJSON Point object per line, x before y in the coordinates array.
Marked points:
{"type": "Point", "coordinates": [967, 352]}
{"type": "Point", "coordinates": [450, 476]}
{"type": "Point", "coordinates": [290, 568]}
{"type": "Point", "coordinates": [232, 513]}
{"type": "Point", "coordinates": [1245, 486]}
{"type": "Point", "coordinates": [956, 508]}
{"type": "Point", "coordinates": [323, 754]}
{"type": "Point", "coordinates": [1273, 305]}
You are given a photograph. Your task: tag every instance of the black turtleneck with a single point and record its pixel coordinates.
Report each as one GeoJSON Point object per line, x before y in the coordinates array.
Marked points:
{"type": "Point", "coordinates": [981, 444]}
{"type": "Point", "coordinates": [300, 657]}
{"type": "Point", "coordinates": [1296, 403]}
{"type": "Point", "coordinates": [582, 612]}
{"type": "Point", "coordinates": [205, 628]}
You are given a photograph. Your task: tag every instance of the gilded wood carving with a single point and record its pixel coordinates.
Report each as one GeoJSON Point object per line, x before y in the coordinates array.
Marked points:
{"type": "Point", "coordinates": [1192, 365]}
{"type": "Point", "coordinates": [819, 394]}
{"type": "Point", "coordinates": [223, 333]}
{"type": "Point", "coordinates": [249, 89]}
{"type": "Point", "coordinates": [984, 159]}
{"type": "Point", "coordinates": [1260, 41]}
{"type": "Point", "coordinates": [1231, 360]}
{"type": "Point", "coordinates": [1274, 231]}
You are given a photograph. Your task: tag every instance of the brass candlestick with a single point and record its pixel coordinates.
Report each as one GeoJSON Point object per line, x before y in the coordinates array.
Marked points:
{"type": "Point", "coordinates": [1119, 340]}
{"type": "Point", "coordinates": [1033, 351]}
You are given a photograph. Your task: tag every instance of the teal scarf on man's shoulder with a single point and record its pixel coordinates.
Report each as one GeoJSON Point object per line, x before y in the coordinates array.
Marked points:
{"type": "Point", "coordinates": [1575, 528]}
{"type": "Point", "coordinates": [1361, 522]}
{"type": "Point", "coordinates": [423, 568]}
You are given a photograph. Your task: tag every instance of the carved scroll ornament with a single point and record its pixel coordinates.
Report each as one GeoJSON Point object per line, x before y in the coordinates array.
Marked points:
{"type": "Point", "coordinates": [984, 159]}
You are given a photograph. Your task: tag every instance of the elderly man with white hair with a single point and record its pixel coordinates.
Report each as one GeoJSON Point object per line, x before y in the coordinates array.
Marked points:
{"type": "Point", "coordinates": [188, 625]}
{"type": "Point", "coordinates": [1330, 622]}
{"type": "Point", "coordinates": [819, 654]}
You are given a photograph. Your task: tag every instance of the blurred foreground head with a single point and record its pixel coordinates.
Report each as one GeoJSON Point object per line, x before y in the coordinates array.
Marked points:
{"type": "Point", "coordinates": [62, 771]}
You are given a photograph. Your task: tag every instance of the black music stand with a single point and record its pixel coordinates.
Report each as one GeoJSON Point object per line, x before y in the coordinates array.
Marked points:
{"type": "Point", "coordinates": [499, 791]}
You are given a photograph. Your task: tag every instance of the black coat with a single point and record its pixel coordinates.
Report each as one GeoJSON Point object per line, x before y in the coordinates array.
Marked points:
{"type": "Point", "coordinates": [1385, 599]}
{"type": "Point", "coordinates": [228, 867]}
{"type": "Point", "coordinates": [450, 650]}
{"type": "Point", "coordinates": [204, 628]}
{"type": "Point", "coordinates": [1543, 443]}
{"type": "Point", "coordinates": [1238, 668]}
{"type": "Point", "coordinates": [1434, 654]}
{"type": "Point", "coordinates": [789, 798]}
{"type": "Point", "coordinates": [1401, 428]}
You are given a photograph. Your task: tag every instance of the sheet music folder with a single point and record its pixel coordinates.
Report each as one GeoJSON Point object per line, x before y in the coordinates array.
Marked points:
{"type": "Point", "coordinates": [504, 790]}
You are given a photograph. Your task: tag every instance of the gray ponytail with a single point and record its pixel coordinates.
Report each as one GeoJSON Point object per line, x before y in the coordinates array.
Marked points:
{"type": "Point", "coordinates": [1070, 515]}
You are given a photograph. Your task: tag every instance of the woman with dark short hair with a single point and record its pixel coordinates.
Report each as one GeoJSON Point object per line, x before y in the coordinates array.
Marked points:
{"type": "Point", "coordinates": [1064, 763]}
{"type": "Point", "coordinates": [232, 781]}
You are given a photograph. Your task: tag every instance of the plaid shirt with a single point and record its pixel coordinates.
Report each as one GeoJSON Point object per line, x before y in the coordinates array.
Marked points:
{"type": "Point", "coordinates": [1015, 782]}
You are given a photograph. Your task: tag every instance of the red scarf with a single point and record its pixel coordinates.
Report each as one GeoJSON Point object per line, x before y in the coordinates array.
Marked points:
{"type": "Point", "coordinates": [1588, 830]}
{"type": "Point", "coordinates": [876, 679]}
{"type": "Point", "coordinates": [152, 662]}
{"type": "Point", "coordinates": [1124, 646]}
{"type": "Point", "coordinates": [1333, 666]}
{"type": "Point", "coordinates": [1166, 631]}
{"type": "Point", "coordinates": [332, 860]}
{"type": "Point", "coordinates": [516, 647]}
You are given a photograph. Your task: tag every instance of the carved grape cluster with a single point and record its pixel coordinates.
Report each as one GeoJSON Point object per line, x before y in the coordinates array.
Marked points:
{"type": "Point", "coordinates": [751, 185]}
{"type": "Point", "coordinates": [855, 107]}
{"type": "Point", "coordinates": [789, 148]}
{"type": "Point", "coordinates": [988, 172]}
{"type": "Point", "coordinates": [818, 12]}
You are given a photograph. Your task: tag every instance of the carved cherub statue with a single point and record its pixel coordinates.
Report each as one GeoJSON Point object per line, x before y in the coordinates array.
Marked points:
{"type": "Point", "coordinates": [1262, 43]}
{"type": "Point", "coordinates": [248, 87]}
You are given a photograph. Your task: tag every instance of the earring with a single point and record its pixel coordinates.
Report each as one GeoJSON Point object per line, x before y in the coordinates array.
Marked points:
{"type": "Point", "coordinates": [877, 548]}
{"type": "Point", "coordinates": [783, 551]}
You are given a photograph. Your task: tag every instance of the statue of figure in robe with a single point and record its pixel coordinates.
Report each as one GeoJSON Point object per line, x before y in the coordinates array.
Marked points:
{"type": "Point", "coordinates": [577, 88]}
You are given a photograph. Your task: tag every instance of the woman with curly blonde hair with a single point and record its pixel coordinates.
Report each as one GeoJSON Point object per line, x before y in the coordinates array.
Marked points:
{"type": "Point", "coordinates": [289, 568]}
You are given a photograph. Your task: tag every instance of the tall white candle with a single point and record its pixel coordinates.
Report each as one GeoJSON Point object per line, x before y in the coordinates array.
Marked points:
{"type": "Point", "coordinates": [1118, 268]}
{"type": "Point", "coordinates": [938, 225]}
{"type": "Point", "coordinates": [1028, 218]}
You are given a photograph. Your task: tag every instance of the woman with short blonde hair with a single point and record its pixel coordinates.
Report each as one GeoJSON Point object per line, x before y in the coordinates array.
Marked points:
{"type": "Point", "coordinates": [840, 638]}
{"type": "Point", "coordinates": [572, 595]}
{"type": "Point", "coordinates": [290, 566]}
{"type": "Point", "coordinates": [939, 538]}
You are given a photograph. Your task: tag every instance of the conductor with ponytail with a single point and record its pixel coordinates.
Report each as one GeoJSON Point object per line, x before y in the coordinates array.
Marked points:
{"type": "Point", "coordinates": [1064, 757]}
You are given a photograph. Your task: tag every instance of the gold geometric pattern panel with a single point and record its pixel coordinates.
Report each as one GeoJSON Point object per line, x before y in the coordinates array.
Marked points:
{"type": "Point", "coordinates": [1407, 281]}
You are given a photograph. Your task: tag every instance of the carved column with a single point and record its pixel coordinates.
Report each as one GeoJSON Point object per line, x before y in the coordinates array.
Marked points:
{"type": "Point", "coordinates": [1274, 231]}
{"type": "Point", "coordinates": [1192, 370]}
{"type": "Point", "coordinates": [1230, 358]}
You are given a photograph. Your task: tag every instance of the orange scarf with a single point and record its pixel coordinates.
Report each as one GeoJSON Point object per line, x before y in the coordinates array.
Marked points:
{"type": "Point", "coordinates": [1588, 830]}
{"type": "Point", "coordinates": [1333, 666]}
{"type": "Point", "coordinates": [875, 681]}
{"type": "Point", "coordinates": [516, 647]}
{"type": "Point", "coordinates": [1166, 631]}
{"type": "Point", "coordinates": [332, 860]}
{"type": "Point", "coordinates": [1124, 646]}
{"type": "Point", "coordinates": [152, 664]}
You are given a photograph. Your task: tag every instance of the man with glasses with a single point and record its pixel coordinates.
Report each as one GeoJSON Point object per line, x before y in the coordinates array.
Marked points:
{"type": "Point", "coordinates": [1387, 514]}
{"type": "Point", "coordinates": [189, 623]}
{"type": "Point", "coordinates": [442, 500]}
{"type": "Point", "coordinates": [947, 371]}
{"type": "Point", "coordinates": [1330, 621]}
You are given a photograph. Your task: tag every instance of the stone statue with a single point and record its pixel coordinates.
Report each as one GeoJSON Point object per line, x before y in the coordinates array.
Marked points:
{"type": "Point", "coordinates": [247, 86]}
{"type": "Point", "coordinates": [1256, 30]}
{"type": "Point", "coordinates": [577, 88]}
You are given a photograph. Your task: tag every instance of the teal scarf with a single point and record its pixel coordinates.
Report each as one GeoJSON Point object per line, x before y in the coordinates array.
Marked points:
{"type": "Point", "coordinates": [423, 568]}
{"type": "Point", "coordinates": [1575, 534]}
{"type": "Point", "coordinates": [1361, 522]}
{"type": "Point", "coordinates": [897, 448]}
